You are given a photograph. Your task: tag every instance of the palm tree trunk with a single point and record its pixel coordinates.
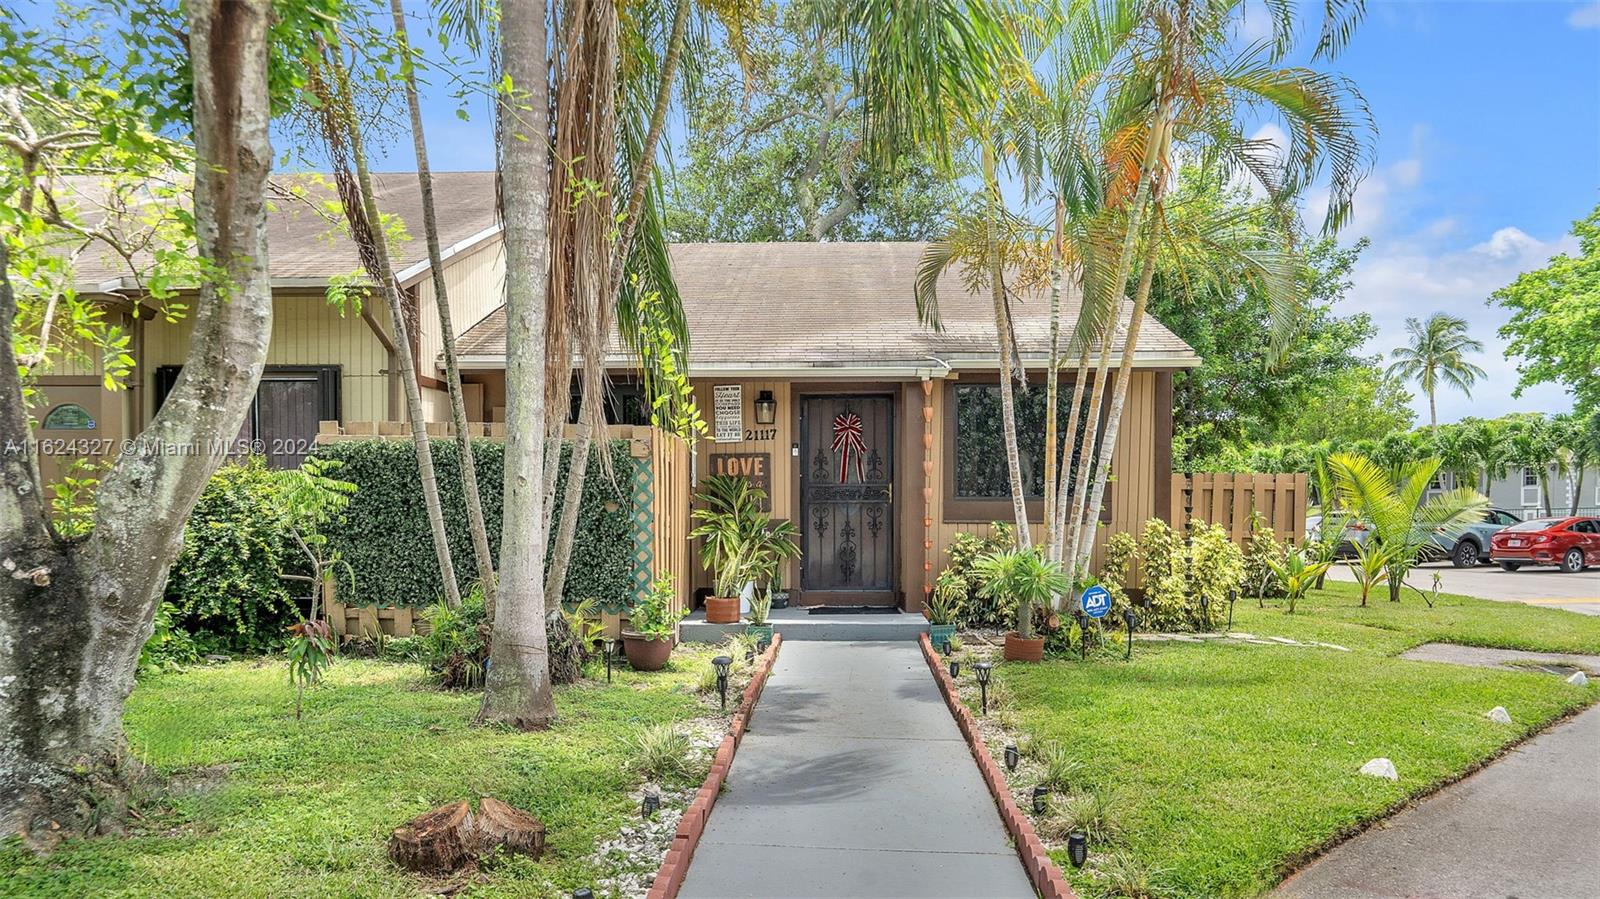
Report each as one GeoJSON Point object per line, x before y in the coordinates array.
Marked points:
{"type": "Point", "coordinates": [1433, 415]}
{"type": "Point", "coordinates": [1577, 490]}
{"type": "Point", "coordinates": [1108, 445]}
{"type": "Point", "coordinates": [1052, 450]}
{"type": "Point", "coordinates": [577, 472]}
{"type": "Point", "coordinates": [1058, 512]}
{"type": "Point", "coordinates": [1002, 325]}
{"type": "Point", "coordinates": [517, 688]}
{"type": "Point", "coordinates": [441, 300]}
{"type": "Point", "coordinates": [408, 378]}
{"type": "Point", "coordinates": [1091, 437]}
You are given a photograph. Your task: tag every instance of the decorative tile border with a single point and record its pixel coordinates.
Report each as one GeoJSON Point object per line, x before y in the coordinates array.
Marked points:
{"type": "Point", "coordinates": [1046, 877]}
{"type": "Point", "coordinates": [669, 878]}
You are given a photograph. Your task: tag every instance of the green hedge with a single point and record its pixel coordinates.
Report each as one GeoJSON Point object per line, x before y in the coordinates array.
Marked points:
{"type": "Point", "coordinates": [385, 538]}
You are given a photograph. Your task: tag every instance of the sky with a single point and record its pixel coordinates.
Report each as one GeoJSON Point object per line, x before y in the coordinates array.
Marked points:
{"type": "Point", "coordinates": [1488, 117]}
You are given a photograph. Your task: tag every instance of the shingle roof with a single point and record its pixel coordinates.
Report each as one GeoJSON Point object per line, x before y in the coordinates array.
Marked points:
{"type": "Point", "coordinates": [303, 243]}
{"type": "Point", "coordinates": [805, 304]}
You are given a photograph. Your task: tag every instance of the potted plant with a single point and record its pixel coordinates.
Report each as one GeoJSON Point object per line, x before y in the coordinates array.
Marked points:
{"type": "Point", "coordinates": [652, 627]}
{"type": "Point", "coordinates": [771, 545]}
{"type": "Point", "coordinates": [1026, 578]}
{"type": "Point", "coordinates": [742, 543]}
{"type": "Point", "coordinates": [944, 605]}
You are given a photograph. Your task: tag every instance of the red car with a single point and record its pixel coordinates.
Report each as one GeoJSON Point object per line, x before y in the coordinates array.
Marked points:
{"type": "Point", "coordinates": [1572, 543]}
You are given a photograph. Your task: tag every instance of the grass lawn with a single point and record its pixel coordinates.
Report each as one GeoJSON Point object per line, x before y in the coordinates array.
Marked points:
{"type": "Point", "coordinates": [286, 808]}
{"type": "Point", "coordinates": [1229, 763]}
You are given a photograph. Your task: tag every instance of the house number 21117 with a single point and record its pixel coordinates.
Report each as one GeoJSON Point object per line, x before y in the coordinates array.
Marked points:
{"type": "Point", "coordinates": [760, 433]}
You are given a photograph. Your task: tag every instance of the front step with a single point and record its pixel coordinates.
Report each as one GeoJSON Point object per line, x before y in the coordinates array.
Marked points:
{"type": "Point", "coordinates": [798, 624]}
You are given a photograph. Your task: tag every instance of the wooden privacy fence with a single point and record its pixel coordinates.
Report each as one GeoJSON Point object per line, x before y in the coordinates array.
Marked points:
{"type": "Point", "coordinates": [1230, 499]}
{"type": "Point", "coordinates": [660, 519]}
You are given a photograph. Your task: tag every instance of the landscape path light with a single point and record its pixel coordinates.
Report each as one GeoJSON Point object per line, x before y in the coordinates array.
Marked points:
{"type": "Point", "coordinates": [1078, 848]}
{"type": "Point", "coordinates": [650, 803]}
{"type": "Point", "coordinates": [1013, 757]}
{"type": "Point", "coordinates": [983, 669]}
{"type": "Point", "coordinates": [1233, 597]}
{"type": "Point", "coordinates": [1131, 619]}
{"type": "Point", "coordinates": [722, 664]}
{"type": "Point", "coordinates": [1040, 796]}
{"type": "Point", "coordinates": [583, 893]}
{"type": "Point", "coordinates": [608, 646]}
{"type": "Point", "coordinates": [955, 668]}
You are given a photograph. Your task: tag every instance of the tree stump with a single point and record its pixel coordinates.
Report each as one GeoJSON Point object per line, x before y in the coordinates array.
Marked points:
{"type": "Point", "coordinates": [436, 842]}
{"type": "Point", "coordinates": [499, 824]}
{"type": "Point", "coordinates": [566, 652]}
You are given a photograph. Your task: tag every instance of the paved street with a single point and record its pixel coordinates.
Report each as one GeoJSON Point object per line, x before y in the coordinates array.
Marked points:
{"type": "Point", "coordinates": [1535, 586]}
{"type": "Point", "coordinates": [853, 781]}
{"type": "Point", "coordinates": [1523, 827]}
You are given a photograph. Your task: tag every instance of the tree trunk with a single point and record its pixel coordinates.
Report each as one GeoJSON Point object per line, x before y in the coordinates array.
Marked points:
{"type": "Point", "coordinates": [408, 378]}
{"type": "Point", "coordinates": [1577, 490]}
{"type": "Point", "coordinates": [447, 331]}
{"type": "Point", "coordinates": [1070, 441]}
{"type": "Point", "coordinates": [1052, 449]}
{"type": "Point", "coordinates": [1091, 436]}
{"type": "Point", "coordinates": [571, 499]}
{"type": "Point", "coordinates": [75, 613]}
{"type": "Point", "coordinates": [517, 691]}
{"type": "Point", "coordinates": [1002, 325]}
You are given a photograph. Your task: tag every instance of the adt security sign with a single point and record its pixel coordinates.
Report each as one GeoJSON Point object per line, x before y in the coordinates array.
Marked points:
{"type": "Point", "coordinates": [1096, 601]}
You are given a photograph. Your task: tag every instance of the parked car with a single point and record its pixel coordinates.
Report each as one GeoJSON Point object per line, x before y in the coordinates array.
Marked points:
{"type": "Point", "coordinates": [1472, 547]}
{"type": "Point", "coordinates": [1355, 532]}
{"type": "Point", "coordinates": [1572, 543]}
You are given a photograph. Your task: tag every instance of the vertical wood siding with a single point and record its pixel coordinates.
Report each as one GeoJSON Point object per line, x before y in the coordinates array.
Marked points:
{"type": "Point", "coordinates": [476, 284]}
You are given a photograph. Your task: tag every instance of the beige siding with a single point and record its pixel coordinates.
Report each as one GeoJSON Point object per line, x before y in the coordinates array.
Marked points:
{"type": "Point", "coordinates": [476, 286]}
{"type": "Point", "coordinates": [305, 331]}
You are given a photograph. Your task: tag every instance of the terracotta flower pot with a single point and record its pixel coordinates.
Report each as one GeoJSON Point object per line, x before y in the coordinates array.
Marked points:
{"type": "Point", "coordinates": [646, 653]}
{"type": "Point", "coordinates": [722, 610]}
{"type": "Point", "coordinates": [1020, 650]}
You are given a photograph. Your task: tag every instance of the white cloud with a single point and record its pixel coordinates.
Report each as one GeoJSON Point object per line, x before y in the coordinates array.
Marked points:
{"type": "Point", "coordinates": [1587, 16]}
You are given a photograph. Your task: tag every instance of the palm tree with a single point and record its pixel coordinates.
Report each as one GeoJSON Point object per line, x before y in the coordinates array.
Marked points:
{"type": "Point", "coordinates": [1395, 504]}
{"type": "Point", "coordinates": [1198, 93]}
{"type": "Point", "coordinates": [1531, 444]}
{"type": "Point", "coordinates": [1438, 352]}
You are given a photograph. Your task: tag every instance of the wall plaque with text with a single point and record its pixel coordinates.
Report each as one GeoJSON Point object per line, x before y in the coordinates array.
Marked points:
{"type": "Point", "coordinates": [727, 402]}
{"type": "Point", "coordinates": [753, 467]}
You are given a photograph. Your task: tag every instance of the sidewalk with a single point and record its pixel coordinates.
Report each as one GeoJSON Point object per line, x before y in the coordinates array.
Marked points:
{"type": "Point", "coordinates": [853, 781]}
{"type": "Point", "coordinates": [1524, 826]}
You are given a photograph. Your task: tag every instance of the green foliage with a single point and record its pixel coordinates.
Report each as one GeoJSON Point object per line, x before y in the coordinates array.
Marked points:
{"type": "Point", "coordinates": [1437, 353]}
{"type": "Point", "coordinates": [1216, 569]}
{"type": "Point", "coordinates": [310, 653]}
{"type": "Point", "coordinates": [1063, 771]}
{"type": "Point", "coordinates": [653, 616]}
{"type": "Point", "coordinates": [1297, 573]}
{"type": "Point", "coordinates": [1261, 552]}
{"type": "Point", "coordinates": [72, 499]}
{"type": "Point", "coordinates": [1165, 587]}
{"type": "Point", "coordinates": [1555, 315]}
{"type": "Point", "coordinates": [661, 752]}
{"type": "Point", "coordinates": [1094, 814]}
{"type": "Point", "coordinates": [949, 595]}
{"type": "Point", "coordinates": [1022, 578]}
{"type": "Point", "coordinates": [169, 647]}
{"type": "Point", "coordinates": [456, 648]}
{"type": "Point", "coordinates": [742, 544]}
{"type": "Point", "coordinates": [384, 532]}
{"type": "Point", "coordinates": [1121, 550]}
{"type": "Point", "coordinates": [976, 609]}
{"type": "Point", "coordinates": [226, 586]}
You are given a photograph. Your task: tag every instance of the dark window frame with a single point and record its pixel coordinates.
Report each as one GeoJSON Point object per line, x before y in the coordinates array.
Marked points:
{"type": "Point", "coordinates": [964, 510]}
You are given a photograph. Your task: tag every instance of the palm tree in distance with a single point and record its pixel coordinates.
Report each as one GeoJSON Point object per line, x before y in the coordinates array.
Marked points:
{"type": "Point", "coordinates": [1438, 352]}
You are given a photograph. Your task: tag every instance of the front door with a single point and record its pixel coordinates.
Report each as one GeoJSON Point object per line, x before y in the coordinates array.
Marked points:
{"type": "Point", "coordinates": [847, 499]}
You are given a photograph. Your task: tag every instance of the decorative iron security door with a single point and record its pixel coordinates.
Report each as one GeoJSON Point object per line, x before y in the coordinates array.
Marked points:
{"type": "Point", "coordinates": [847, 499]}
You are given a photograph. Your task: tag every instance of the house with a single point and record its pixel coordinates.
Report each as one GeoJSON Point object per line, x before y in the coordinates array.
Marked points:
{"type": "Point", "coordinates": [879, 438]}
{"type": "Point", "coordinates": [1519, 491]}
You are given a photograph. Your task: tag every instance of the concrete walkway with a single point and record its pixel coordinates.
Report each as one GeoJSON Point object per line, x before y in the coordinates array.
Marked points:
{"type": "Point", "coordinates": [1522, 827]}
{"type": "Point", "coordinates": [853, 781]}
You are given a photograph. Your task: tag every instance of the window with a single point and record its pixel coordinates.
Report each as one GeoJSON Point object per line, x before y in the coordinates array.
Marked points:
{"type": "Point", "coordinates": [978, 480]}
{"type": "Point", "coordinates": [68, 417]}
{"type": "Point", "coordinates": [625, 403]}
{"type": "Point", "coordinates": [282, 421]}
{"type": "Point", "coordinates": [1529, 478]}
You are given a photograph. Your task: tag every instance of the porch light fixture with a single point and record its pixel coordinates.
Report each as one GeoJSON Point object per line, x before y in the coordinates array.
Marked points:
{"type": "Point", "coordinates": [1013, 757]}
{"type": "Point", "coordinates": [983, 669]}
{"type": "Point", "coordinates": [722, 664]}
{"type": "Point", "coordinates": [1078, 848]}
{"type": "Point", "coordinates": [649, 805]}
{"type": "Point", "coordinates": [955, 668]}
{"type": "Point", "coordinates": [1131, 619]}
{"type": "Point", "coordinates": [1040, 796]}
{"type": "Point", "coordinates": [766, 408]}
{"type": "Point", "coordinates": [609, 647]}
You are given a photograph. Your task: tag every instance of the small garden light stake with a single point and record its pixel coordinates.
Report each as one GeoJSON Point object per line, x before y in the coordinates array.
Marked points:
{"type": "Point", "coordinates": [1077, 848]}
{"type": "Point", "coordinates": [983, 669]}
{"type": "Point", "coordinates": [722, 664]}
{"type": "Point", "coordinates": [946, 649]}
{"type": "Point", "coordinates": [1131, 619]}
{"type": "Point", "coordinates": [1012, 757]}
{"type": "Point", "coordinates": [1083, 634]}
{"type": "Point", "coordinates": [651, 802]}
{"type": "Point", "coordinates": [609, 647]}
{"type": "Point", "coordinates": [583, 893]}
{"type": "Point", "coordinates": [1233, 597]}
{"type": "Point", "coordinates": [1040, 796]}
{"type": "Point", "coordinates": [955, 668]}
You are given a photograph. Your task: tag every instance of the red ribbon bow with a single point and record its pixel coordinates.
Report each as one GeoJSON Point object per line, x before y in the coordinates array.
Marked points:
{"type": "Point", "coordinates": [847, 440]}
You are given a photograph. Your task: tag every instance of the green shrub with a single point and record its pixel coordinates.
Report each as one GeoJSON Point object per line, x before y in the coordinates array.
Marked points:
{"type": "Point", "coordinates": [1165, 584]}
{"type": "Point", "coordinates": [455, 648]}
{"type": "Point", "coordinates": [661, 752]}
{"type": "Point", "coordinates": [386, 540]}
{"type": "Point", "coordinates": [1216, 569]}
{"type": "Point", "coordinates": [1261, 553]}
{"type": "Point", "coordinates": [169, 647]}
{"type": "Point", "coordinates": [225, 587]}
{"type": "Point", "coordinates": [1121, 550]}
{"type": "Point", "coordinates": [960, 575]}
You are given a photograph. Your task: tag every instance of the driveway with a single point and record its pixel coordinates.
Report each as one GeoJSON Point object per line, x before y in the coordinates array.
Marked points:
{"type": "Point", "coordinates": [853, 781]}
{"type": "Point", "coordinates": [1522, 827]}
{"type": "Point", "coordinates": [1535, 586]}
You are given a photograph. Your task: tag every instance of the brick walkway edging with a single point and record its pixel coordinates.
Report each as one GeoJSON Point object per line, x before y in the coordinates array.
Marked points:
{"type": "Point", "coordinates": [675, 866]}
{"type": "Point", "coordinates": [1046, 877]}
